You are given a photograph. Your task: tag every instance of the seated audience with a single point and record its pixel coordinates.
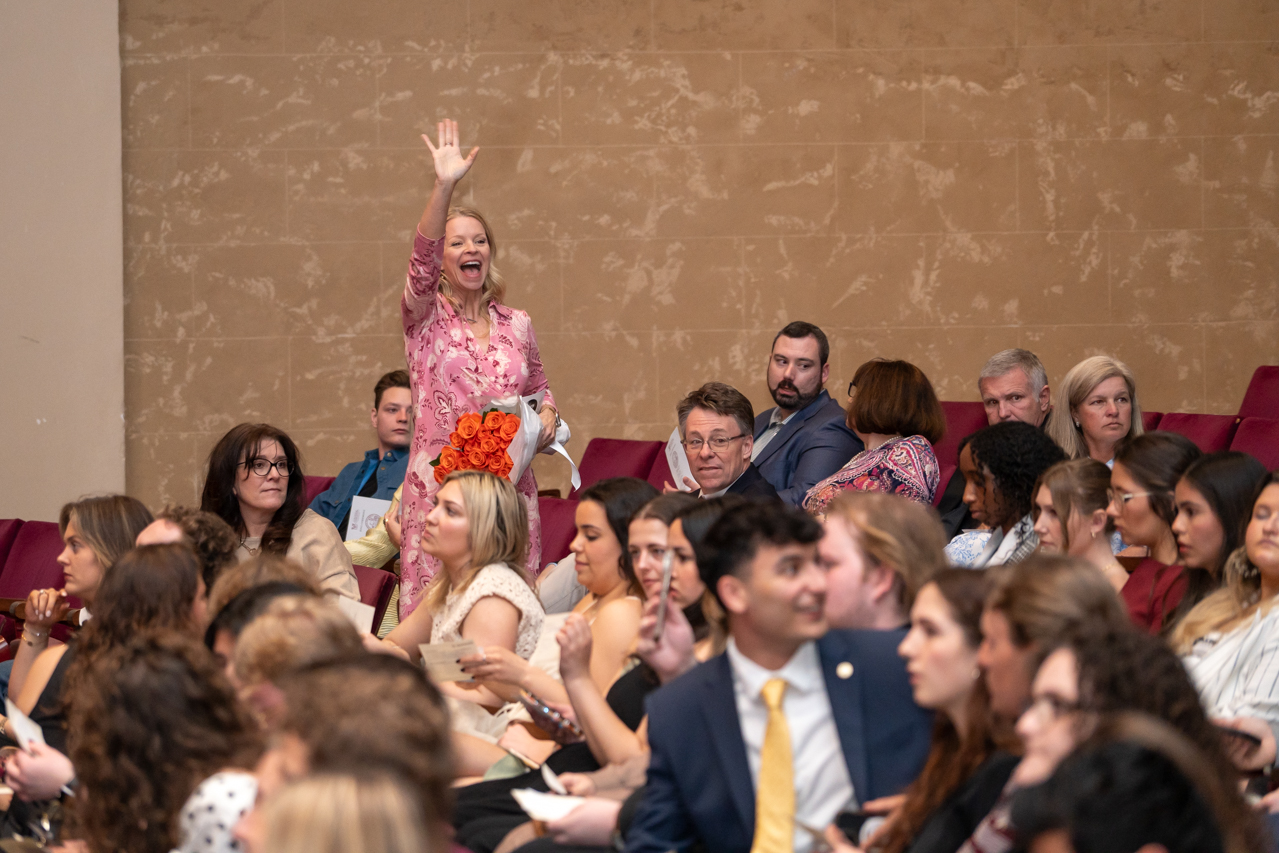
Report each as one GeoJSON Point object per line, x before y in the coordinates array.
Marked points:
{"type": "Point", "coordinates": [808, 740]}
{"type": "Point", "coordinates": [255, 484]}
{"type": "Point", "coordinates": [878, 550]}
{"type": "Point", "coordinates": [1145, 472]}
{"type": "Point", "coordinates": [966, 768]}
{"type": "Point", "coordinates": [96, 532]}
{"type": "Point", "coordinates": [1070, 516]}
{"type": "Point", "coordinates": [712, 421]}
{"type": "Point", "coordinates": [161, 749]}
{"type": "Point", "coordinates": [362, 714]}
{"type": "Point", "coordinates": [1096, 409]}
{"type": "Point", "coordinates": [893, 410]}
{"type": "Point", "coordinates": [804, 439]}
{"type": "Point", "coordinates": [210, 537]}
{"type": "Point", "coordinates": [1214, 503]}
{"type": "Point", "coordinates": [381, 473]}
{"type": "Point", "coordinates": [327, 813]}
{"type": "Point", "coordinates": [1137, 785]}
{"type": "Point", "coordinates": [293, 631]}
{"type": "Point", "coordinates": [1229, 641]}
{"type": "Point", "coordinates": [1001, 465]}
{"type": "Point", "coordinates": [1013, 386]}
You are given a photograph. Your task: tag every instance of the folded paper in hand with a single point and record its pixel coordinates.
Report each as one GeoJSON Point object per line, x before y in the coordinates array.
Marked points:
{"type": "Point", "coordinates": [545, 807]}
{"type": "Point", "coordinates": [677, 459]}
{"type": "Point", "coordinates": [365, 513]}
{"type": "Point", "coordinates": [25, 730]}
{"type": "Point", "coordinates": [441, 660]}
{"type": "Point", "coordinates": [360, 614]}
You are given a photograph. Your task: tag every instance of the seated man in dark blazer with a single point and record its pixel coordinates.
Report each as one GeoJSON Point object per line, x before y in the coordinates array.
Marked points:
{"type": "Point", "coordinates": [737, 755]}
{"type": "Point", "coordinates": [804, 439]}
{"type": "Point", "coordinates": [715, 429]}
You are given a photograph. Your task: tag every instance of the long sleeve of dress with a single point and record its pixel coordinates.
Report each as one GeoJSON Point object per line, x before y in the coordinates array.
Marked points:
{"type": "Point", "coordinates": [421, 291]}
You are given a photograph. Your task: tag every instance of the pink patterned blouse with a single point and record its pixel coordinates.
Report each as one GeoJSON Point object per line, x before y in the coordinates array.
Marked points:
{"type": "Point", "coordinates": [899, 466]}
{"type": "Point", "coordinates": [450, 377]}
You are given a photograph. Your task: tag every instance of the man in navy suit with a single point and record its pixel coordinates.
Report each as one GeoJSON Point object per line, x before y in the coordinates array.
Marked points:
{"type": "Point", "coordinates": [715, 424]}
{"type": "Point", "coordinates": [855, 733]}
{"type": "Point", "coordinates": [805, 438]}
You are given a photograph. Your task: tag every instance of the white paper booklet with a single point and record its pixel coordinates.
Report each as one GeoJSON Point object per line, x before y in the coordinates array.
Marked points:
{"type": "Point", "coordinates": [365, 512]}
{"type": "Point", "coordinates": [360, 614]}
{"type": "Point", "coordinates": [545, 807]}
{"type": "Point", "coordinates": [676, 458]}
{"type": "Point", "coordinates": [441, 660]}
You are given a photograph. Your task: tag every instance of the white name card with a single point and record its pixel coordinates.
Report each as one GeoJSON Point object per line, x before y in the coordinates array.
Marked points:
{"type": "Point", "coordinates": [365, 512]}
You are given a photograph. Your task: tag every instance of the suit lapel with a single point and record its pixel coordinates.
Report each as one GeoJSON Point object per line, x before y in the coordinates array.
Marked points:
{"type": "Point", "coordinates": [720, 707]}
{"type": "Point", "coordinates": [789, 429]}
{"type": "Point", "coordinates": [846, 704]}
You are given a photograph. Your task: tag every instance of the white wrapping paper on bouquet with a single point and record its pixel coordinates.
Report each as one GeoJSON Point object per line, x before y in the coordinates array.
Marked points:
{"type": "Point", "coordinates": [523, 446]}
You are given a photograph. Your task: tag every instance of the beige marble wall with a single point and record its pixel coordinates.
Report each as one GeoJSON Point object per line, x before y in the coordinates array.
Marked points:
{"type": "Point", "coordinates": [673, 180]}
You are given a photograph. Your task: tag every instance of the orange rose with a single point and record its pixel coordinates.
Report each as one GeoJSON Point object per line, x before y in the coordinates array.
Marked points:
{"type": "Point", "coordinates": [468, 425]}
{"type": "Point", "coordinates": [495, 464]}
{"type": "Point", "coordinates": [449, 459]}
{"type": "Point", "coordinates": [488, 444]}
{"type": "Point", "coordinates": [455, 439]}
{"type": "Point", "coordinates": [440, 474]}
{"type": "Point", "coordinates": [493, 420]}
{"type": "Point", "coordinates": [477, 458]}
{"type": "Point", "coordinates": [507, 466]}
{"type": "Point", "coordinates": [510, 426]}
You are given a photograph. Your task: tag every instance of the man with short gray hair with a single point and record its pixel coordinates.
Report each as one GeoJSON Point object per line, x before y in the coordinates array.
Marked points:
{"type": "Point", "coordinates": [1014, 387]}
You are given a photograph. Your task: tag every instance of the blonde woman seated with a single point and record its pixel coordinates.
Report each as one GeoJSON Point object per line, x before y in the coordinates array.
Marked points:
{"type": "Point", "coordinates": [1070, 515]}
{"type": "Point", "coordinates": [1229, 642]}
{"type": "Point", "coordinates": [479, 532]}
{"type": "Point", "coordinates": [1096, 408]}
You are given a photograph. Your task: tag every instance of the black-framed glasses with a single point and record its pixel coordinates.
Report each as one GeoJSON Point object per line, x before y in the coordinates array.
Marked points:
{"type": "Point", "coordinates": [262, 467]}
{"type": "Point", "coordinates": [852, 386]}
{"type": "Point", "coordinates": [718, 443]}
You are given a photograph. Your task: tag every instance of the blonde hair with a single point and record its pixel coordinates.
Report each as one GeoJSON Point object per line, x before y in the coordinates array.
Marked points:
{"type": "Point", "coordinates": [295, 630]}
{"type": "Point", "coordinates": [1238, 598]}
{"type": "Point", "coordinates": [328, 813]}
{"type": "Point", "coordinates": [1075, 388]}
{"type": "Point", "coordinates": [1076, 484]}
{"type": "Point", "coordinates": [494, 288]}
{"type": "Point", "coordinates": [899, 534]}
{"type": "Point", "coordinates": [498, 530]}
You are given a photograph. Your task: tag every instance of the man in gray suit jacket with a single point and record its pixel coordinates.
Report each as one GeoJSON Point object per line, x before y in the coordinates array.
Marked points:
{"type": "Point", "coordinates": [804, 439]}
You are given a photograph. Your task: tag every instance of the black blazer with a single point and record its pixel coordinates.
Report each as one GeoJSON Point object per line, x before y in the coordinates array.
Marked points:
{"type": "Point", "coordinates": [699, 780]}
{"type": "Point", "coordinates": [750, 485]}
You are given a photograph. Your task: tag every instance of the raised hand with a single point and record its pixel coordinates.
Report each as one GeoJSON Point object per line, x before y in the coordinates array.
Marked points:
{"type": "Point", "coordinates": [450, 165]}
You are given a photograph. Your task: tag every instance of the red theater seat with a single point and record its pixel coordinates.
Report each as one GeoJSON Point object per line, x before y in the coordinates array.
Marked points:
{"type": "Point", "coordinates": [660, 474]}
{"type": "Point", "coordinates": [8, 533]}
{"type": "Point", "coordinates": [558, 528]}
{"type": "Point", "coordinates": [1210, 432]}
{"type": "Point", "coordinates": [32, 564]}
{"type": "Point", "coordinates": [376, 586]}
{"type": "Point", "coordinates": [1261, 400]}
{"type": "Point", "coordinates": [1259, 437]}
{"type": "Point", "coordinates": [616, 457]}
{"type": "Point", "coordinates": [962, 420]}
{"type": "Point", "coordinates": [1151, 421]}
{"type": "Point", "coordinates": [316, 486]}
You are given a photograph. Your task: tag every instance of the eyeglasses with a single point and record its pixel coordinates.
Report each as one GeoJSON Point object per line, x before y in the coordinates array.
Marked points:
{"type": "Point", "coordinates": [1120, 499]}
{"type": "Point", "coordinates": [262, 467]}
{"type": "Point", "coordinates": [852, 386]}
{"type": "Point", "coordinates": [1052, 707]}
{"type": "Point", "coordinates": [718, 443]}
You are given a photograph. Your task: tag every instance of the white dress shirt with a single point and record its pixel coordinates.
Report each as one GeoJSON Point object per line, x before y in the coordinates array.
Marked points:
{"type": "Point", "coordinates": [770, 432]}
{"type": "Point", "coordinates": [822, 785]}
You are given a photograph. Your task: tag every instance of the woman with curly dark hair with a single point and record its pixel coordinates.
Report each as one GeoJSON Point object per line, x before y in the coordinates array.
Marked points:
{"type": "Point", "coordinates": [1001, 465]}
{"type": "Point", "coordinates": [255, 484]}
{"type": "Point", "coordinates": [161, 749]}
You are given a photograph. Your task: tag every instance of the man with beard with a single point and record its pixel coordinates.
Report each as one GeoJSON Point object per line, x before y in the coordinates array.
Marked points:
{"type": "Point", "coordinates": [804, 439]}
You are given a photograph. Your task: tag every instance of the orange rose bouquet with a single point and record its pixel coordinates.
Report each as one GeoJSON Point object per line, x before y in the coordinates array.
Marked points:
{"type": "Point", "coordinates": [480, 442]}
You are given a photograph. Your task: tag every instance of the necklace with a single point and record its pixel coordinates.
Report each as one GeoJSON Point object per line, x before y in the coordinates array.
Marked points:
{"type": "Point", "coordinates": [252, 551]}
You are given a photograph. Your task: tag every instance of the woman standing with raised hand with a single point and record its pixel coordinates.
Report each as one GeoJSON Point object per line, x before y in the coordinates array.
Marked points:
{"type": "Point", "coordinates": [463, 346]}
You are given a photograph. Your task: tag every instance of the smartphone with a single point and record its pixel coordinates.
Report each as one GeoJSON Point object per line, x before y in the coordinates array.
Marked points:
{"type": "Point", "coordinates": [561, 729]}
{"type": "Point", "coordinates": [664, 601]}
{"type": "Point", "coordinates": [850, 823]}
{"type": "Point", "coordinates": [1239, 734]}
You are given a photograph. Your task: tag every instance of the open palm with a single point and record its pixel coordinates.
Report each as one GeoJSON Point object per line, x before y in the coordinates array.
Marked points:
{"type": "Point", "coordinates": [450, 165]}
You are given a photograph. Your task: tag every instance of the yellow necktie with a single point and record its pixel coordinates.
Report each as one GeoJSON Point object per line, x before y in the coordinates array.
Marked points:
{"type": "Point", "coordinates": [775, 793]}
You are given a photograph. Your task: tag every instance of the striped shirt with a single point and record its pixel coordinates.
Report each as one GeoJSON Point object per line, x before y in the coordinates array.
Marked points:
{"type": "Point", "coordinates": [1237, 673]}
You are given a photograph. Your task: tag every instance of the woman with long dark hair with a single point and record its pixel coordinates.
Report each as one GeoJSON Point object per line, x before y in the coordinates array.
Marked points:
{"type": "Point", "coordinates": [255, 484]}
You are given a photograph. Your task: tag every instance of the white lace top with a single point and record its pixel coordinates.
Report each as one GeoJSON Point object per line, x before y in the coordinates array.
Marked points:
{"type": "Point", "coordinates": [500, 580]}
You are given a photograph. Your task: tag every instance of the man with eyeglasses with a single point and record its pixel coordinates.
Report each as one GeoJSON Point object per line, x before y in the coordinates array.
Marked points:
{"type": "Point", "coordinates": [715, 424]}
{"type": "Point", "coordinates": [804, 439]}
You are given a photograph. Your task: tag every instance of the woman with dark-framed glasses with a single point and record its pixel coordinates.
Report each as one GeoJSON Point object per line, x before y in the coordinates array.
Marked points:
{"type": "Point", "coordinates": [255, 484]}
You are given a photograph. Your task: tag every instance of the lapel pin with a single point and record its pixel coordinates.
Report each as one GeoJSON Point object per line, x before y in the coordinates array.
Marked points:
{"type": "Point", "coordinates": [844, 670]}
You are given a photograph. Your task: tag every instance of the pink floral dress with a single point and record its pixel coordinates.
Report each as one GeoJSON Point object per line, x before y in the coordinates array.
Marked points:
{"type": "Point", "coordinates": [900, 466]}
{"type": "Point", "coordinates": [450, 377]}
